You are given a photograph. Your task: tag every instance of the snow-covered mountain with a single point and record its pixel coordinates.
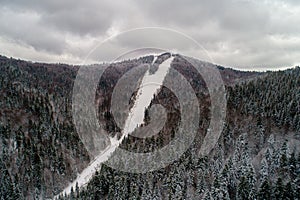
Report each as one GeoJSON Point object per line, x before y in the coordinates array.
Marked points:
{"type": "Point", "coordinates": [256, 157]}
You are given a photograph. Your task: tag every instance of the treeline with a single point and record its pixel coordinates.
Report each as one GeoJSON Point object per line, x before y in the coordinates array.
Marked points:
{"type": "Point", "coordinates": [257, 156]}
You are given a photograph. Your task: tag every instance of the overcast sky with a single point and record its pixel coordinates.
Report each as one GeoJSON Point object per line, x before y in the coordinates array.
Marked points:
{"type": "Point", "coordinates": [244, 34]}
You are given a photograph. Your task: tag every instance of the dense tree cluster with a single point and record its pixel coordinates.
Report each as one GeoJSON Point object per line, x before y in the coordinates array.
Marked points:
{"type": "Point", "coordinates": [253, 160]}
{"type": "Point", "coordinates": [199, 178]}
{"type": "Point", "coordinates": [275, 95]}
{"type": "Point", "coordinates": [257, 155]}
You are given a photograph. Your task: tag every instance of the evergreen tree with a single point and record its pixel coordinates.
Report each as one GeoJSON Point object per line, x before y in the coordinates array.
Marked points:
{"type": "Point", "coordinates": [283, 155]}
{"type": "Point", "coordinates": [279, 189]}
{"type": "Point", "coordinates": [288, 191]}
{"type": "Point", "coordinates": [293, 166]}
{"type": "Point", "coordinates": [264, 172]}
{"type": "Point", "coordinates": [265, 190]}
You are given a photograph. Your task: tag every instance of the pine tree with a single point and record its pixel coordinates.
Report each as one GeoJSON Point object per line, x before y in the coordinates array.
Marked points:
{"type": "Point", "coordinates": [243, 190]}
{"type": "Point", "coordinates": [279, 189]}
{"type": "Point", "coordinates": [283, 155]}
{"type": "Point", "coordinates": [219, 189]}
{"type": "Point", "coordinates": [156, 194]}
{"type": "Point", "coordinates": [231, 177]}
{"type": "Point", "coordinates": [72, 194]}
{"type": "Point", "coordinates": [177, 183]}
{"type": "Point", "coordinates": [133, 187]}
{"type": "Point", "coordinates": [77, 191]}
{"type": "Point", "coordinates": [264, 171]}
{"type": "Point", "coordinates": [201, 184]}
{"type": "Point", "coordinates": [264, 192]}
{"type": "Point", "coordinates": [288, 191]}
{"type": "Point", "coordinates": [246, 188]}
{"type": "Point", "coordinates": [207, 196]}
{"type": "Point", "coordinates": [6, 184]}
{"type": "Point", "coordinates": [146, 193]}
{"type": "Point", "coordinates": [189, 186]}
{"type": "Point", "coordinates": [292, 166]}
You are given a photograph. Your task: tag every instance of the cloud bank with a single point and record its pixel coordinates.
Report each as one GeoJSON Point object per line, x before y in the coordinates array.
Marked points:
{"type": "Point", "coordinates": [244, 34]}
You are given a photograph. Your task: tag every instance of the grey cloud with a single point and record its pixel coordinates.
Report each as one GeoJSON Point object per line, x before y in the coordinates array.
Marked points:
{"type": "Point", "coordinates": [144, 38]}
{"type": "Point", "coordinates": [244, 16]}
{"type": "Point", "coordinates": [235, 32]}
{"type": "Point", "coordinates": [94, 17]}
{"type": "Point", "coordinates": [292, 2]}
{"type": "Point", "coordinates": [24, 29]}
{"type": "Point", "coordinates": [235, 15]}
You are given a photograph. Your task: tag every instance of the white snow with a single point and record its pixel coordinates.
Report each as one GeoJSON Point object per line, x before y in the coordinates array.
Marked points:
{"type": "Point", "coordinates": [150, 85]}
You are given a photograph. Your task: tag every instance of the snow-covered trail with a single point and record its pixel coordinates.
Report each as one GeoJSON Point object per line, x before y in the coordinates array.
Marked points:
{"type": "Point", "coordinates": [150, 85]}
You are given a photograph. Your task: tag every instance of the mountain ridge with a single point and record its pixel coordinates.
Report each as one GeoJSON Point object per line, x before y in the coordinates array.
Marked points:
{"type": "Point", "coordinates": [41, 151]}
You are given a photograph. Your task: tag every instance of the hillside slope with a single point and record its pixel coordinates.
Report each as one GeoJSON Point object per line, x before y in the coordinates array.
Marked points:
{"type": "Point", "coordinates": [257, 155]}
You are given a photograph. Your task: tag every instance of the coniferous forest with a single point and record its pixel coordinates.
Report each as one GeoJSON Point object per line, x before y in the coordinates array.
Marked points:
{"type": "Point", "coordinates": [256, 157]}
